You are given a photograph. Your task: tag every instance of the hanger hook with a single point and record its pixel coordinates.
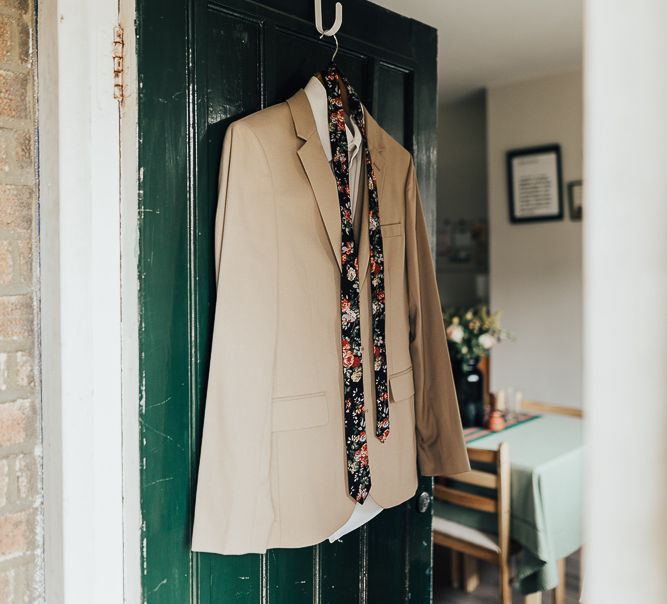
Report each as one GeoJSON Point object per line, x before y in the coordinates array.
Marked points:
{"type": "Point", "coordinates": [333, 56]}
{"type": "Point", "coordinates": [338, 21]}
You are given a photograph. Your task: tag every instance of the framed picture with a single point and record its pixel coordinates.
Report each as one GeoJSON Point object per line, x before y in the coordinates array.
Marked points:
{"type": "Point", "coordinates": [535, 184]}
{"type": "Point", "coordinates": [575, 190]}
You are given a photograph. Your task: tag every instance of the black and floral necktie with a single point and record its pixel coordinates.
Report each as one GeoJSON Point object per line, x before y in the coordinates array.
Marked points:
{"type": "Point", "coordinates": [358, 470]}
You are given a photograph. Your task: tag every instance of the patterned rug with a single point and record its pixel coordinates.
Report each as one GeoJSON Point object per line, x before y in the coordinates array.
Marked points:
{"type": "Point", "coordinates": [475, 433]}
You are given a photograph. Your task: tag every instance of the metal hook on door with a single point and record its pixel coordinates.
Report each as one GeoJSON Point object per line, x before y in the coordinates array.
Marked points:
{"type": "Point", "coordinates": [338, 21]}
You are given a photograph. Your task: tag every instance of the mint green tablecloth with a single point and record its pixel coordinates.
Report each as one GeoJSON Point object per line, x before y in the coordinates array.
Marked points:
{"type": "Point", "coordinates": [546, 457]}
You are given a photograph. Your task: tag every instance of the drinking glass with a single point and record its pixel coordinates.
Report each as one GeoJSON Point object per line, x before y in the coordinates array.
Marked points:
{"type": "Point", "coordinates": [514, 402]}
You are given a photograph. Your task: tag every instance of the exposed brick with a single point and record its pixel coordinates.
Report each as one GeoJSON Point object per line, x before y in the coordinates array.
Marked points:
{"type": "Point", "coordinates": [19, 5]}
{"type": "Point", "coordinates": [16, 206]}
{"type": "Point", "coordinates": [23, 150]}
{"type": "Point", "coordinates": [16, 317]}
{"type": "Point", "coordinates": [23, 273]}
{"type": "Point", "coordinates": [24, 43]}
{"type": "Point", "coordinates": [16, 533]}
{"type": "Point", "coordinates": [6, 262]}
{"type": "Point", "coordinates": [21, 579]}
{"type": "Point", "coordinates": [16, 151]}
{"type": "Point", "coordinates": [7, 46]}
{"type": "Point", "coordinates": [7, 583]}
{"type": "Point", "coordinates": [4, 371]}
{"type": "Point", "coordinates": [24, 587]}
{"type": "Point", "coordinates": [24, 369]}
{"type": "Point", "coordinates": [25, 472]}
{"type": "Point", "coordinates": [13, 94]}
{"type": "Point", "coordinates": [7, 150]}
{"type": "Point", "coordinates": [4, 484]}
{"type": "Point", "coordinates": [17, 422]}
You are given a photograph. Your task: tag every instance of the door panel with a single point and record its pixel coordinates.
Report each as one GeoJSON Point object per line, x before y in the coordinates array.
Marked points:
{"type": "Point", "coordinates": [391, 109]}
{"type": "Point", "coordinates": [337, 583]}
{"type": "Point", "coordinates": [387, 550]}
{"type": "Point", "coordinates": [233, 85]}
{"type": "Point", "coordinates": [201, 66]}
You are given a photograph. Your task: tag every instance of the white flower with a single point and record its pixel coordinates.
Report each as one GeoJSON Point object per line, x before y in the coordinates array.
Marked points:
{"type": "Point", "coordinates": [487, 341]}
{"type": "Point", "coordinates": [349, 316]}
{"type": "Point", "coordinates": [455, 333]}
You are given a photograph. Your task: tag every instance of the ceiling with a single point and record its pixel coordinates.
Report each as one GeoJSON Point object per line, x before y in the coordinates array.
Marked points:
{"type": "Point", "coordinates": [486, 42]}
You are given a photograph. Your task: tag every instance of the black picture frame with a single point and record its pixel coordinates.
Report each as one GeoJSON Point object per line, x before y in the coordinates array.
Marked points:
{"type": "Point", "coordinates": [518, 215]}
{"type": "Point", "coordinates": [576, 209]}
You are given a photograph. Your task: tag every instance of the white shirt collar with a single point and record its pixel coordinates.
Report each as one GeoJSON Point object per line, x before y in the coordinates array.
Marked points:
{"type": "Point", "coordinates": [317, 97]}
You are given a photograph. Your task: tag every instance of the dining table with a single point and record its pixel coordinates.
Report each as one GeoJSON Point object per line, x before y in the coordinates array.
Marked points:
{"type": "Point", "coordinates": [546, 481]}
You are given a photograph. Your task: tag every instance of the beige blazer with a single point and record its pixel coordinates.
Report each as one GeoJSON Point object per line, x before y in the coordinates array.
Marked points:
{"type": "Point", "coordinates": [272, 467]}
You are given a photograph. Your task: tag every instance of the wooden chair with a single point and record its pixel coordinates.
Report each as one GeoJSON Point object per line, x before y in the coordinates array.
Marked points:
{"type": "Point", "coordinates": [469, 541]}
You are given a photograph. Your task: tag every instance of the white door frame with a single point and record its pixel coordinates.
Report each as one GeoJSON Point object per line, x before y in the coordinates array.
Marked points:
{"type": "Point", "coordinates": [89, 314]}
{"type": "Point", "coordinates": [625, 299]}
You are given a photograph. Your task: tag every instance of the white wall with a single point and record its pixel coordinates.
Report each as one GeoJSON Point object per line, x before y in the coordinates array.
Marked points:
{"type": "Point", "coordinates": [462, 184]}
{"type": "Point", "coordinates": [625, 286]}
{"type": "Point", "coordinates": [536, 268]}
{"type": "Point", "coordinates": [462, 157]}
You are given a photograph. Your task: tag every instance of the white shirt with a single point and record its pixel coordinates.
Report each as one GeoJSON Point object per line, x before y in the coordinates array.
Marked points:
{"type": "Point", "coordinates": [317, 97]}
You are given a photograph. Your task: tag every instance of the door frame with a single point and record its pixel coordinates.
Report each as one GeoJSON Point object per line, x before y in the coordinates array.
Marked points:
{"type": "Point", "coordinates": [89, 311]}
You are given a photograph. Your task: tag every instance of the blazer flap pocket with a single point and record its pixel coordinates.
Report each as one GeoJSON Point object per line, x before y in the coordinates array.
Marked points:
{"type": "Point", "coordinates": [391, 230]}
{"type": "Point", "coordinates": [401, 385]}
{"type": "Point", "coordinates": [299, 412]}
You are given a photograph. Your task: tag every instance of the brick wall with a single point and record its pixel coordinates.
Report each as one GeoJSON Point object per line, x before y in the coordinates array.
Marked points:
{"type": "Point", "coordinates": [20, 452]}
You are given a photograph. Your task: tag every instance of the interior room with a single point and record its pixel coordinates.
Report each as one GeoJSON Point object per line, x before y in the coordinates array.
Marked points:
{"type": "Point", "coordinates": [510, 78]}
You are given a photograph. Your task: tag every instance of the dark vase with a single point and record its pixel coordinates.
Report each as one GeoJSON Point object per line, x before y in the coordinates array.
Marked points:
{"type": "Point", "coordinates": [469, 382]}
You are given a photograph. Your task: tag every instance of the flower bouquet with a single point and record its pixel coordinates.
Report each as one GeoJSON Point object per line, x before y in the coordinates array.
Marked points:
{"type": "Point", "coordinates": [471, 334]}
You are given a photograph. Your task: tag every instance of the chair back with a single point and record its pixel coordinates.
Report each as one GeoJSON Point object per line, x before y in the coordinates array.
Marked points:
{"type": "Point", "coordinates": [485, 488]}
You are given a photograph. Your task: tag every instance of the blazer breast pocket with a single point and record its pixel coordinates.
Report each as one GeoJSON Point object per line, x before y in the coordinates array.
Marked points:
{"type": "Point", "coordinates": [401, 385]}
{"type": "Point", "coordinates": [393, 229]}
{"type": "Point", "coordinates": [299, 412]}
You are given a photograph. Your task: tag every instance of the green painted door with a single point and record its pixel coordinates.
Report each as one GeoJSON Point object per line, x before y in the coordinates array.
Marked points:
{"type": "Point", "coordinates": [201, 66]}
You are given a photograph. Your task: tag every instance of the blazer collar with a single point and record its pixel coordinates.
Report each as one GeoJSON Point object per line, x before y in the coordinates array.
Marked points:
{"type": "Point", "coordinates": [321, 178]}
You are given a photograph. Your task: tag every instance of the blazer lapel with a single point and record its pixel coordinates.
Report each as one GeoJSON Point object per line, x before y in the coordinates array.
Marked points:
{"type": "Point", "coordinates": [317, 169]}
{"type": "Point", "coordinates": [323, 183]}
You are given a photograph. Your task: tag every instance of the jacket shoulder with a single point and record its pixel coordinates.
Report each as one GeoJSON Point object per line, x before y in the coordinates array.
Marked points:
{"type": "Point", "coordinates": [397, 150]}
{"type": "Point", "coordinates": [397, 155]}
{"type": "Point", "coordinates": [379, 137]}
{"type": "Point", "coordinates": [267, 123]}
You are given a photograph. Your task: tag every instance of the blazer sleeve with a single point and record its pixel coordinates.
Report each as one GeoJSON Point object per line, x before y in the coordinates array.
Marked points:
{"type": "Point", "coordinates": [440, 446]}
{"type": "Point", "coordinates": [233, 504]}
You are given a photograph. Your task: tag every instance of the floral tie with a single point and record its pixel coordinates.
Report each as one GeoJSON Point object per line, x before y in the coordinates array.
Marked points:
{"type": "Point", "coordinates": [358, 470]}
